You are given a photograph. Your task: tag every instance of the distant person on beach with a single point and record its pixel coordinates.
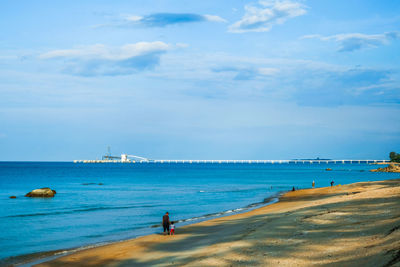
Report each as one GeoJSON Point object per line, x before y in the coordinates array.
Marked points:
{"type": "Point", "coordinates": [313, 184]}
{"type": "Point", "coordinates": [293, 189]}
{"type": "Point", "coordinates": [172, 232]}
{"type": "Point", "coordinates": [166, 222]}
{"type": "Point", "coordinates": [332, 182]}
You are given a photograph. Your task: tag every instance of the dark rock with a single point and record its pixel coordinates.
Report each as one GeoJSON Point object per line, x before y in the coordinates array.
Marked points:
{"type": "Point", "coordinates": [100, 183]}
{"type": "Point", "coordinates": [328, 169]}
{"type": "Point", "coordinates": [88, 183]}
{"type": "Point", "coordinates": [42, 192]}
{"type": "Point", "coordinates": [13, 197]}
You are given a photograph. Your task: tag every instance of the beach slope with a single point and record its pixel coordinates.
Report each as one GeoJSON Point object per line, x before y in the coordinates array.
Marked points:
{"type": "Point", "coordinates": [350, 225]}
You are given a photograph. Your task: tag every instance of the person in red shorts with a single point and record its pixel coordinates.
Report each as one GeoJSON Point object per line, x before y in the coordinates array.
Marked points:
{"type": "Point", "coordinates": [172, 231]}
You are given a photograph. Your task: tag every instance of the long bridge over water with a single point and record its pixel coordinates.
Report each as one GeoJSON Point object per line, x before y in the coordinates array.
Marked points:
{"type": "Point", "coordinates": [125, 158]}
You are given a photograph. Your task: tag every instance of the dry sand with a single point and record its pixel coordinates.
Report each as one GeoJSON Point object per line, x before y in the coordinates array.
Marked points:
{"type": "Point", "coordinates": [351, 225]}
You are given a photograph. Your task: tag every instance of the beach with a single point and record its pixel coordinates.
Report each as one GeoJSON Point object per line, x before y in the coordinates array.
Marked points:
{"type": "Point", "coordinates": [349, 225]}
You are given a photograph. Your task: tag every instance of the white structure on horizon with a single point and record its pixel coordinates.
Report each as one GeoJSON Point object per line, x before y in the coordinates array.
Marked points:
{"type": "Point", "coordinates": [124, 158]}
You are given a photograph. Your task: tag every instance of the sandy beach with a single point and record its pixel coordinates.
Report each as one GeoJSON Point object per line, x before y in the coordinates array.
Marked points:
{"type": "Point", "coordinates": [350, 225]}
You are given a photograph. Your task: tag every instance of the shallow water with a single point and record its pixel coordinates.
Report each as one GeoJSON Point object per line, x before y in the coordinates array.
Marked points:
{"type": "Point", "coordinates": [107, 202]}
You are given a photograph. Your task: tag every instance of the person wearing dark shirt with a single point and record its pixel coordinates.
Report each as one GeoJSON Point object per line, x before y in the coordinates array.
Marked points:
{"type": "Point", "coordinates": [165, 222]}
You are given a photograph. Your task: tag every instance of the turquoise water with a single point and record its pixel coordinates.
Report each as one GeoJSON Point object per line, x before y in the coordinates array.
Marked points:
{"type": "Point", "coordinates": [98, 203]}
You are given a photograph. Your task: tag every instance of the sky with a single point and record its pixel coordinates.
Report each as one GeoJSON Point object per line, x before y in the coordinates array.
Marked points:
{"type": "Point", "coordinates": [228, 79]}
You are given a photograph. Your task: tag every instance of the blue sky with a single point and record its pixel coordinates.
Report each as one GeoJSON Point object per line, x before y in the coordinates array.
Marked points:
{"type": "Point", "coordinates": [199, 79]}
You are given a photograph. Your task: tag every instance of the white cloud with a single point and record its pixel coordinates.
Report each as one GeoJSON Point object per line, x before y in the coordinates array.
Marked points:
{"type": "Point", "coordinates": [354, 41]}
{"type": "Point", "coordinates": [311, 36]}
{"type": "Point", "coordinates": [307, 82]}
{"type": "Point", "coordinates": [246, 72]}
{"type": "Point", "coordinates": [261, 18]}
{"type": "Point", "coordinates": [134, 18]}
{"type": "Point", "coordinates": [214, 18]}
{"type": "Point", "coordinates": [161, 20]}
{"type": "Point", "coordinates": [97, 60]}
{"type": "Point", "coordinates": [101, 51]}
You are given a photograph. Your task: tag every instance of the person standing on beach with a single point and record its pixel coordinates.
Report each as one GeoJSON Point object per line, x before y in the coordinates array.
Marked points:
{"type": "Point", "coordinates": [332, 182]}
{"type": "Point", "coordinates": [172, 228]}
{"type": "Point", "coordinates": [313, 184]}
{"type": "Point", "coordinates": [166, 222]}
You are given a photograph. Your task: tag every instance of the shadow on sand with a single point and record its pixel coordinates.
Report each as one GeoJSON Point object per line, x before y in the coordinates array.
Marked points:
{"type": "Point", "coordinates": [269, 238]}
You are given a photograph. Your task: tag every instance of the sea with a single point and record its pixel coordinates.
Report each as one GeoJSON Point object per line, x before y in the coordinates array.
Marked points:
{"type": "Point", "coordinates": [101, 203]}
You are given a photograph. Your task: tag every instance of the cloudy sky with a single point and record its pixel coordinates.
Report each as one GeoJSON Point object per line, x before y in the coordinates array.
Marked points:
{"type": "Point", "coordinates": [184, 79]}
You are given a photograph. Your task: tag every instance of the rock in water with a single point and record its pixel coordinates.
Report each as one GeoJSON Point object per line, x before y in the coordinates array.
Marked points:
{"type": "Point", "coordinates": [42, 192]}
{"type": "Point", "coordinates": [328, 169]}
{"type": "Point", "coordinates": [13, 197]}
{"type": "Point", "coordinates": [392, 167]}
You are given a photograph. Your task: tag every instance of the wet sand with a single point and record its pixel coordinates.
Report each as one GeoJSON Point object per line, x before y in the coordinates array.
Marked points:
{"type": "Point", "coordinates": [350, 225]}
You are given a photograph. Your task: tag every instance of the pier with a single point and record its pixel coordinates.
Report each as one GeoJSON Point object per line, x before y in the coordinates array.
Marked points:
{"type": "Point", "coordinates": [125, 158]}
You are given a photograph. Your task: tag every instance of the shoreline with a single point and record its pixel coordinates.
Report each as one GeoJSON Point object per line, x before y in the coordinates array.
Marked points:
{"type": "Point", "coordinates": [31, 259]}
{"type": "Point", "coordinates": [350, 224]}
